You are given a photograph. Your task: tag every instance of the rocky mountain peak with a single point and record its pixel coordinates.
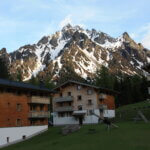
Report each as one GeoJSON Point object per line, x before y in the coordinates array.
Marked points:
{"type": "Point", "coordinates": [3, 51]}
{"type": "Point", "coordinates": [83, 50]}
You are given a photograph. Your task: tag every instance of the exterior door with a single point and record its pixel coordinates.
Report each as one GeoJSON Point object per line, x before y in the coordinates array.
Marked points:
{"type": "Point", "coordinates": [80, 120]}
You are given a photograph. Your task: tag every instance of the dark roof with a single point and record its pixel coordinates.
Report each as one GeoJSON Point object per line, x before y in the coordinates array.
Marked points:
{"type": "Point", "coordinates": [85, 84]}
{"type": "Point", "coordinates": [22, 85]}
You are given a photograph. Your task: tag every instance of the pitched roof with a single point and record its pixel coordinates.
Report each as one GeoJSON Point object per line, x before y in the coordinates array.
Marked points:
{"type": "Point", "coordinates": [8, 83]}
{"type": "Point", "coordinates": [85, 84]}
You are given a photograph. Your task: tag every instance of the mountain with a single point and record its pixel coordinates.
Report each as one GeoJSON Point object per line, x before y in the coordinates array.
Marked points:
{"type": "Point", "coordinates": [83, 50]}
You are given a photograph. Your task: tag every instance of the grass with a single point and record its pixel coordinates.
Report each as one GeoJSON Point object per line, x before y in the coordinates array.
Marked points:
{"type": "Point", "coordinates": [129, 136]}
{"type": "Point", "coordinates": [128, 112]}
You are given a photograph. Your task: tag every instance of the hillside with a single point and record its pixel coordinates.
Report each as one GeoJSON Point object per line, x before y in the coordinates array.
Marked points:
{"type": "Point", "coordinates": [82, 50]}
{"type": "Point", "coordinates": [128, 112]}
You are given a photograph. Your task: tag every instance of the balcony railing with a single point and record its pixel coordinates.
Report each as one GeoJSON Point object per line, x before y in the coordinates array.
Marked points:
{"type": "Point", "coordinates": [39, 100]}
{"type": "Point", "coordinates": [41, 114]}
{"type": "Point", "coordinates": [63, 99]}
{"type": "Point", "coordinates": [79, 112]}
{"type": "Point", "coordinates": [102, 106]}
{"type": "Point", "coordinates": [63, 109]}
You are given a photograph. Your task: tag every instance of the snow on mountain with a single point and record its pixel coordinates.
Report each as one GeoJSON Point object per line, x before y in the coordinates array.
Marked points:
{"type": "Point", "coordinates": [83, 50]}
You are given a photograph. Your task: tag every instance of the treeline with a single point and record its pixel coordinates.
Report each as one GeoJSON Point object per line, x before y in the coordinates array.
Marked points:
{"type": "Point", "coordinates": [131, 89]}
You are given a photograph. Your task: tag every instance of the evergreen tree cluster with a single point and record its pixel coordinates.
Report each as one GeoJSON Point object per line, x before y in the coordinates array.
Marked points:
{"type": "Point", "coordinates": [46, 82]}
{"type": "Point", "coordinates": [4, 74]}
{"type": "Point", "coordinates": [131, 89]}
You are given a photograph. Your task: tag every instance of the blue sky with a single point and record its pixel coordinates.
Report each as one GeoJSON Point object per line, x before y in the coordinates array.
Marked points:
{"type": "Point", "coordinates": [26, 21]}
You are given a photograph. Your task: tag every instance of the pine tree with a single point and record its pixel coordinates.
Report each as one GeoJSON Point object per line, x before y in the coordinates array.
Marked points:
{"type": "Point", "coordinates": [34, 81]}
{"type": "Point", "coordinates": [103, 78]}
{"type": "Point", "coordinates": [3, 70]}
{"type": "Point", "coordinates": [49, 83]}
{"type": "Point", "coordinates": [19, 75]}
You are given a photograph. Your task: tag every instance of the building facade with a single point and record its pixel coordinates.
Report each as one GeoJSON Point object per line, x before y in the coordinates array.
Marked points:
{"type": "Point", "coordinates": [79, 103]}
{"type": "Point", "coordinates": [23, 104]}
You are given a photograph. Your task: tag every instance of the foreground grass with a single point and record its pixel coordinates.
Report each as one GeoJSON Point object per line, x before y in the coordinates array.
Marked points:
{"type": "Point", "coordinates": [129, 136]}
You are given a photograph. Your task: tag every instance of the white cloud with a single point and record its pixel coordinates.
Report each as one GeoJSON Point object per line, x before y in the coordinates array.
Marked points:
{"type": "Point", "coordinates": [146, 40]}
{"type": "Point", "coordinates": [142, 35]}
{"type": "Point", "coordinates": [66, 21]}
{"type": "Point", "coordinates": [146, 36]}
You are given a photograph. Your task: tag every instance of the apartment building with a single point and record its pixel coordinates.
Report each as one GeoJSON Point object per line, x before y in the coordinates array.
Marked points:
{"type": "Point", "coordinates": [79, 103]}
{"type": "Point", "coordinates": [23, 104]}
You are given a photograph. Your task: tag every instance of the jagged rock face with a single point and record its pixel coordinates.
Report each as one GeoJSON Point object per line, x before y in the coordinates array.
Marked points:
{"type": "Point", "coordinates": [83, 50]}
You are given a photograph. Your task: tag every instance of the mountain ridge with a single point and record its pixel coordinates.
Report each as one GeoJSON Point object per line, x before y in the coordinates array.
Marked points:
{"type": "Point", "coordinates": [84, 50]}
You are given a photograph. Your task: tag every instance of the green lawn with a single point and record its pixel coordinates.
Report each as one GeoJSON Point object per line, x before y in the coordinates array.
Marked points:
{"type": "Point", "coordinates": [129, 136]}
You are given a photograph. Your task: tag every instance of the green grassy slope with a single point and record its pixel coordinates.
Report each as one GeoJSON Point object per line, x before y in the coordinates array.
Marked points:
{"type": "Point", "coordinates": [128, 112]}
{"type": "Point", "coordinates": [129, 136]}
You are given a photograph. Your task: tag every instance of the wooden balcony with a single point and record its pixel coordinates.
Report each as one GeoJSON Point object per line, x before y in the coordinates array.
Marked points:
{"type": "Point", "coordinates": [63, 99]}
{"type": "Point", "coordinates": [39, 100]}
{"type": "Point", "coordinates": [63, 109]}
{"type": "Point", "coordinates": [41, 114]}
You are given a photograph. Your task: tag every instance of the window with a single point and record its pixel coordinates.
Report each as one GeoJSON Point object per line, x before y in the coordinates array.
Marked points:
{"type": "Point", "coordinates": [78, 87]}
{"type": "Point", "coordinates": [41, 107]}
{"type": "Point", "coordinates": [79, 107]}
{"type": "Point", "coordinates": [18, 93]}
{"type": "Point", "coordinates": [79, 97]}
{"type": "Point", "coordinates": [33, 108]}
{"type": "Point", "coordinates": [61, 114]}
{"type": "Point", "coordinates": [102, 97]}
{"type": "Point", "coordinates": [18, 122]}
{"type": "Point", "coordinates": [61, 94]}
{"type": "Point", "coordinates": [90, 102]}
{"type": "Point", "coordinates": [89, 92]}
{"type": "Point", "coordinates": [18, 107]}
{"type": "Point", "coordinates": [69, 103]}
{"type": "Point", "coordinates": [69, 93]}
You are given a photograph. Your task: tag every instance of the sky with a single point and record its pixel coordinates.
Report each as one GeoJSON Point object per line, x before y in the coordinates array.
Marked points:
{"type": "Point", "coordinates": [27, 21]}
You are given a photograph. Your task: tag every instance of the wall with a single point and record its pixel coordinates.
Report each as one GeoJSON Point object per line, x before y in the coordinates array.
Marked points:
{"type": "Point", "coordinates": [88, 119]}
{"type": "Point", "coordinates": [15, 133]}
{"type": "Point", "coordinates": [8, 109]}
{"type": "Point", "coordinates": [75, 93]}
